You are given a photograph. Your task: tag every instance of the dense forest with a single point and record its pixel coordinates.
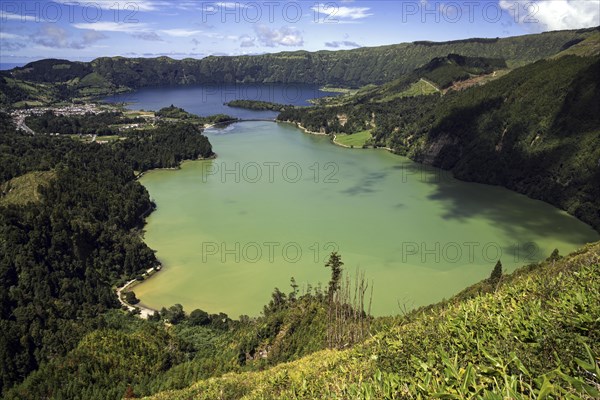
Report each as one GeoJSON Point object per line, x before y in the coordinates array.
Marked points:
{"type": "Point", "coordinates": [258, 105]}
{"type": "Point", "coordinates": [351, 68]}
{"type": "Point", "coordinates": [121, 355]}
{"type": "Point", "coordinates": [62, 255]}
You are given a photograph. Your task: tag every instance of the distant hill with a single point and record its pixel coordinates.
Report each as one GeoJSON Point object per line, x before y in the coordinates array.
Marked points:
{"type": "Point", "coordinates": [355, 67]}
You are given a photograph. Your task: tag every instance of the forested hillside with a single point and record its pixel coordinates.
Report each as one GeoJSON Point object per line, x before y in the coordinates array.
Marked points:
{"type": "Point", "coordinates": [64, 250]}
{"type": "Point", "coordinates": [349, 68]}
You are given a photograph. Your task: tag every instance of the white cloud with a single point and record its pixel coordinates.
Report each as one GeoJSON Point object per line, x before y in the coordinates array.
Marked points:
{"type": "Point", "coordinates": [11, 46]}
{"type": "Point", "coordinates": [214, 35]}
{"type": "Point", "coordinates": [7, 44]}
{"type": "Point", "coordinates": [342, 43]}
{"type": "Point", "coordinates": [53, 36]}
{"type": "Point", "coordinates": [555, 14]}
{"type": "Point", "coordinates": [180, 32]}
{"type": "Point", "coordinates": [333, 13]}
{"type": "Point", "coordinates": [131, 5]}
{"type": "Point", "coordinates": [150, 36]}
{"type": "Point", "coordinates": [284, 36]}
{"type": "Point", "coordinates": [187, 5]}
{"type": "Point", "coordinates": [230, 5]}
{"type": "Point", "coordinates": [247, 41]}
{"type": "Point", "coordinates": [113, 26]}
{"type": "Point", "coordinates": [5, 15]}
{"type": "Point", "coordinates": [12, 36]}
{"type": "Point", "coordinates": [91, 37]}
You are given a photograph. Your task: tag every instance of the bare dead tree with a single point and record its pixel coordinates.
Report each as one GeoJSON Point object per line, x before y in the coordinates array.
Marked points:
{"type": "Point", "coordinates": [348, 316]}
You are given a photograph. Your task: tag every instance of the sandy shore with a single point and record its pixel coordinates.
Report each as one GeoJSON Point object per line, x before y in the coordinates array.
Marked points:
{"type": "Point", "coordinates": [297, 125]}
{"type": "Point", "coordinates": [334, 141]}
{"type": "Point", "coordinates": [145, 312]}
{"type": "Point", "coordinates": [360, 147]}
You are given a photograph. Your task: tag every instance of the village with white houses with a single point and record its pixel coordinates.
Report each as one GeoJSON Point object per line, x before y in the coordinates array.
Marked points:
{"type": "Point", "coordinates": [20, 115]}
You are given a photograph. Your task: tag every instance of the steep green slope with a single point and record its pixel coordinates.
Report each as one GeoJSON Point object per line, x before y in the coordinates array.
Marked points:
{"type": "Point", "coordinates": [443, 71]}
{"type": "Point", "coordinates": [535, 130]}
{"type": "Point", "coordinates": [437, 74]}
{"type": "Point", "coordinates": [536, 335]}
{"type": "Point", "coordinates": [585, 48]}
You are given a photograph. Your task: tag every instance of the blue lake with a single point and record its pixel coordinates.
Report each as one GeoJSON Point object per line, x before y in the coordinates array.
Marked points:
{"type": "Point", "coordinates": [207, 100]}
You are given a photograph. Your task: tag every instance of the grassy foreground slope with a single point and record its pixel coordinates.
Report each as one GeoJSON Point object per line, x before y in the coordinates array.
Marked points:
{"type": "Point", "coordinates": [536, 335]}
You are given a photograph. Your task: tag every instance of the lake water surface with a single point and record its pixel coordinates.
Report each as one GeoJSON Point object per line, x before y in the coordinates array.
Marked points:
{"type": "Point", "coordinates": [277, 201]}
{"type": "Point", "coordinates": [207, 100]}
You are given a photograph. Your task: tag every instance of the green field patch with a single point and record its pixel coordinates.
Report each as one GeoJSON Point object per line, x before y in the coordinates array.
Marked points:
{"type": "Point", "coordinates": [25, 188]}
{"type": "Point", "coordinates": [358, 139]}
{"type": "Point", "coordinates": [419, 88]}
{"type": "Point", "coordinates": [26, 103]}
{"type": "Point", "coordinates": [108, 138]}
{"type": "Point", "coordinates": [93, 80]}
{"type": "Point", "coordinates": [137, 113]}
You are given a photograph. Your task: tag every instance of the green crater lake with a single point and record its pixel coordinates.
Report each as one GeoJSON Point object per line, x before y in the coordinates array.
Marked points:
{"type": "Point", "coordinates": [277, 201]}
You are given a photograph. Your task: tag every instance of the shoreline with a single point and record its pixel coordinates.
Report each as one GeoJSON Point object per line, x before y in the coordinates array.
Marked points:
{"type": "Point", "coordinates": [141, 174]}
{"type": "Point", "coordinates": [361, 147]}
{"type": "Point", "coordinates": [299, 126]}
{"type": "Point", "coordinates": [333, 140]}
{"type": "Point", "coordinates": [341, 144]}
{"type": "Point", "coordinates": [144, 311]}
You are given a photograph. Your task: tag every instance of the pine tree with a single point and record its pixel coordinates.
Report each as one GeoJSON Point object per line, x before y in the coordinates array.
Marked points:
{"type": "Point", "coordinates": [496, 274]}
{"type": "Point", "coordinates": [294, 294]}
{"type": "Point", "coordinates": [335, 263]}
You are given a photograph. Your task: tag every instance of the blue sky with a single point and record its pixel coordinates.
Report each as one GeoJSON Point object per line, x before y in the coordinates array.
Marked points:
{"type": "Point", "coordinates": [82, 30]}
